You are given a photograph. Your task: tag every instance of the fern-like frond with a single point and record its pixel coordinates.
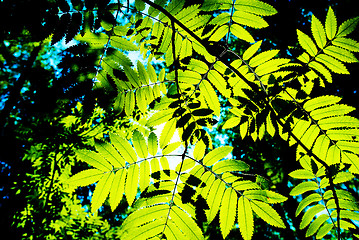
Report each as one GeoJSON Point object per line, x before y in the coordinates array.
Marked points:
{"type": "Point", "coordinates": [225, 191]}
{"type": "Point", "coordinates": [321, 205]}
{"type": "Point", "coordinates": [120, 168]}
{"type": "Point", "coordinates": [326, 57]}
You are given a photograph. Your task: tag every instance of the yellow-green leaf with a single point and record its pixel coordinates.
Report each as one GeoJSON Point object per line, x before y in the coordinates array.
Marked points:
{"type": "Point", "coordinates": [167, 133]}
{"type": "Point", "coordinates": [124, 147]}
{"type": "Point", "coordinates": [140, 144]}
{"type": "Point", "coordinates": [110, 153]}
{"type": "Point", "coordinates": [117, 188]}
{"type": "Point", "coordinates": [307, 43]}
{"type": "Point", "coordinates": [241, 33]}
{"type": "Point", "coordinates": [318, 32]}
{"type": "Point", "coordinates": [85, 177]}
{"type": "Point", "coordinates": [152, 144]}
{"type": "Point", "coordinates": [101, 191]}
{"type": "Point", "coordinates": [94, 159]}
{"type": "Point", "coordinates": [245, 218]}
{"type": "Point", "coordinates": [267, 213]}
{"type": "Point", "coordinates": [132, 183]}
{"type": "Point", "coordinates": [303, 187]}
{"type": "Point", "coordinates": [216, 154]}
{"type": "Point", "coordinates": [330, 24]}
{"type": "Point", "coordinates": [122, 43]}
{"type": "Point", "coordinates": [210, 96]}
{"type": "Point", "coordinates": [227, 214]}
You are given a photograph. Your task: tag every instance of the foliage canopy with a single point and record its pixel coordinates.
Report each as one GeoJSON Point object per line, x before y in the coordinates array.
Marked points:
{"type": "Point", "coordinates": [120, 128]}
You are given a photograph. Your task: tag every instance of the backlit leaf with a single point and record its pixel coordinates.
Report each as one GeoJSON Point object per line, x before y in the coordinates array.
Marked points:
{"type": "Point", "coordinates": [216, 154]}
{"type": "Point", "coordinates": [101, 191]}
{"type": "Point", "coordinates": [267, 213]}
{"type": "Point", "coordinates": [140, 144]}
{"type": "Point", "coordinates": [307, 43]}
{"type": "Point", "coordinates": [227, 214]}
{"type": "Point", "coordinates": [245, 218]}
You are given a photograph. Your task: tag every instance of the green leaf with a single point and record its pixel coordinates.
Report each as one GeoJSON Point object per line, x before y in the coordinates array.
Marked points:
{"type": "Point", "coordinates": [132, 183]}
{"type": "Point", "coordinates": [197, 66]}
{"type": "Point", "coordinates": [101, 191]}
{"type": "Point", "coordinates": [199, 150]}
{"type": "Point", "coordinates": [308, 215]}
{"type": "Point", "coordinates": [241, 33]}
{"type": "Point", "coordinates": [219, 33]}
{"type": "Point", "coordinates": [231, 122]}
{"type": "Point", "coordinates": [221, 19]}
{"type": "Point", "coordinates": [303, 187]}
{"type": "Point", "coordinates": [164, 163]}
{"type": "Point", "coordinates": [245, 218]}
{"type": "Point", "coordinates": [141, 100]}
{"type": "Point", "coordinates": [141, 217]}
{"type": "Point", "coordinates": [346, 214]}
{"type": "Point", "coordinates": [219, 82]}
{"type": "Point", "coordinates": [340, 54]}
{"type": "Point", "coordinates": [210, 96]}
{"type": "Point", "coordinates": [302, 174]}
{"type": "Point", "coordinates": [216, 154]}
{"type": "Point", "coordinates": [263, 57]}
{"type": "Point", "coordinates": [140, 144]}
{"type": "Point", "coordinates": [314, 197]}
{"type": "Point", "coordinates": [307, 43]}
{"type": "Point", "coordinates": [202, 112]}
{"type": "Point", "coordinates": [318, 32]}
{"type": "Point", "coordinates": [330, 24]}
{"type": "Point", "coordinates": [316, 224]}
{"type": "Point", "coordinates": [110, 153]}
{"type": "Point", "coordinates": [132, 76]}
{"type": "Point", "coordinates": [343, 177]}
{"type": "Point", "coordinates": [186, 165]}
{"type": "Point", "coordinates": [186, 223]}
{"type": "Point", "coordinates": [267, 213]}
{"type": "Point", "coordinates": [255, 7]}
{"type": "Point", "coordinates": [320, 102]}
{"type": "Point", "coordinates": [144, 175]}
{"type": "Point", "coordinates": [321, 70]}
{"type": "Point", "coordinates": [227, 214]}
{"type": "Point", "coordinates": [117, 188]}
{"type": "Point", "coordinates": [170, 148]}
{"type": "Point", "coordinates": [248, 19]}
{"type": "Point", "coordinates": [347, 27]}
{"type": "Point", "coordinates": [229, 166]}
{"type": "Point", "coordinates": [85, 177]}
{"type": "Point", "coordinates": [324, 230]}
{"type": "Point", "coordinates": [167, 133]}
{"type": "Point", "coordinates": [245, 185]}
{"type": "Point", "coordinates": [94, 159]}
{"type": "Point", "coordinates": [140, 5]}
{"type": "Point", "coordinates": [346, 43]}
{"type": "Point", "coordinates": [331, 111]}
{"type": "Point", "coordinates": [273, 197]}
{"type": "Point", "coordinates": [160, 117]}
{"type": "Point", "coordinates": [129, 103]}
{"type": "Point", "coordinates": [269, 126]}
{"type": "Point", "coordinates": [124, 147]}
{"type": "Point", "coordinates": [96, 40]}
{"type": "Point", "coordinates": [214, 198]}
{"type": "Point", "coordinates": [152, 144]}
{"type": "Point", "coordinates": [251, 50]}
{"type": "Point", "coordinates": [123, 44]}
{"type": "Point", "coordinates": [338, 122]}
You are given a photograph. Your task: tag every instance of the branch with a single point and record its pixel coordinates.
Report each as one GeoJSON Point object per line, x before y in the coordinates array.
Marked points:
{"type": "Point", "coordinates": [226, 62]}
